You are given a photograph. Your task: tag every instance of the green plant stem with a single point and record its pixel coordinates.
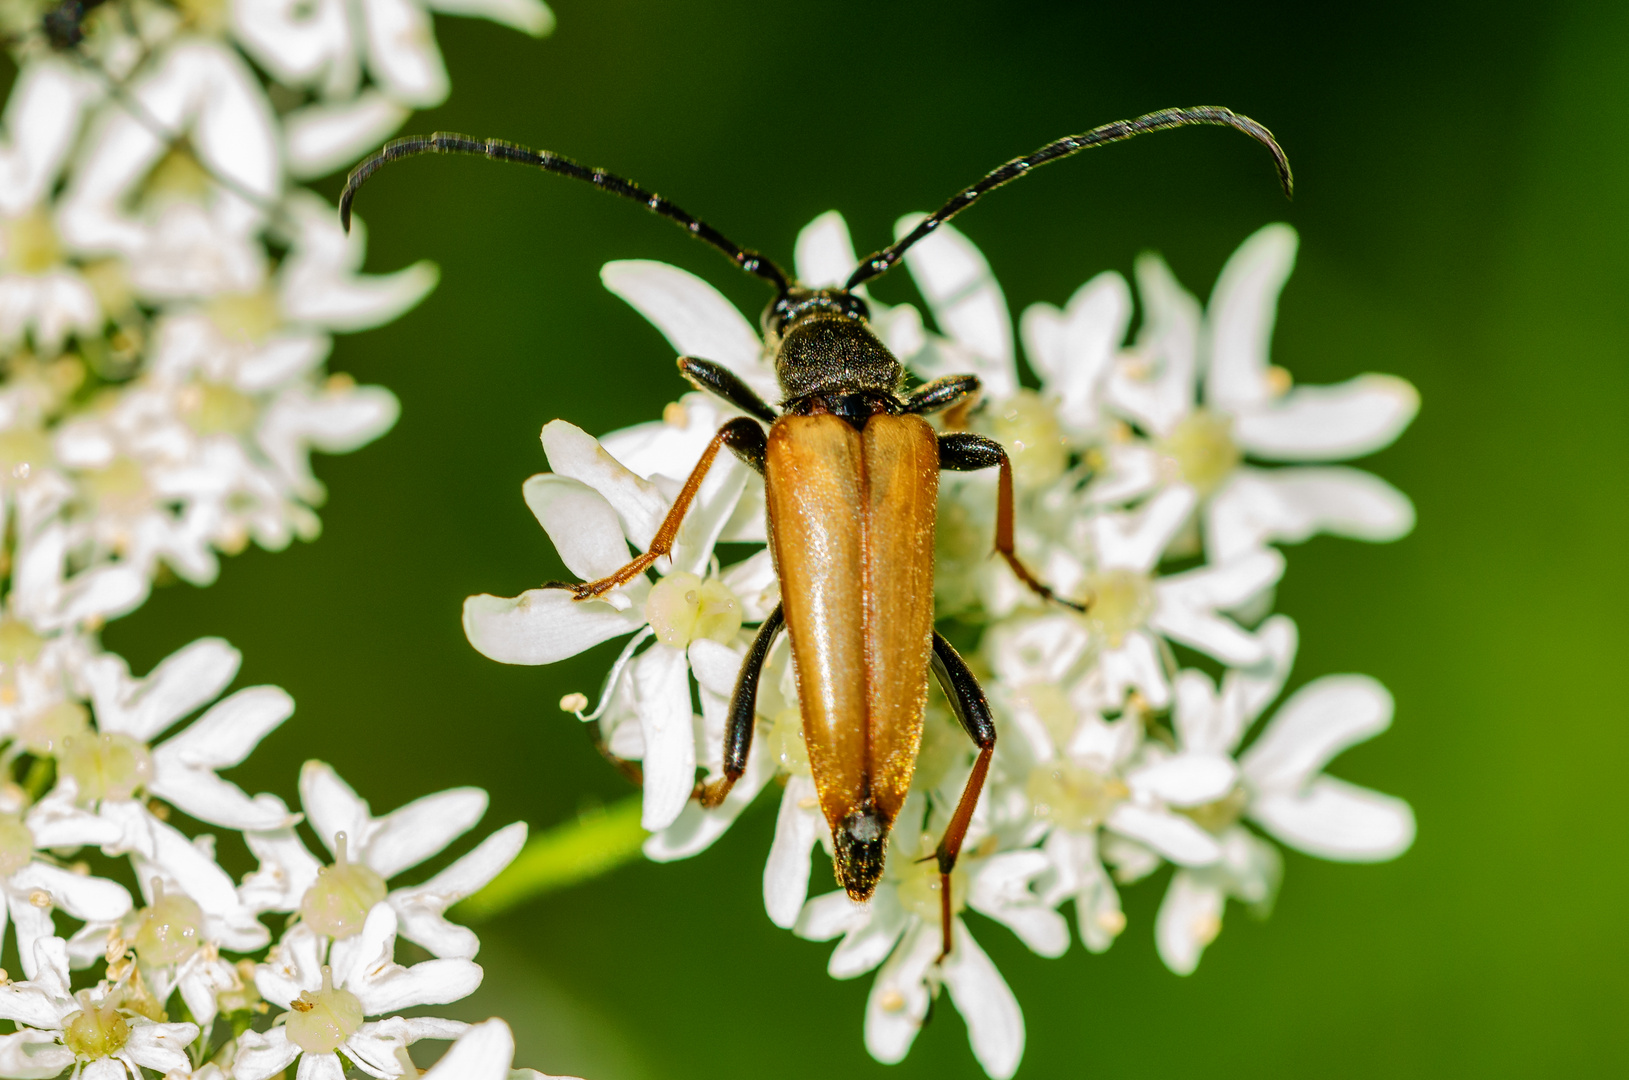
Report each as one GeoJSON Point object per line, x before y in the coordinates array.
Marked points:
{"type": "Point", "coordinates": [596, 843]}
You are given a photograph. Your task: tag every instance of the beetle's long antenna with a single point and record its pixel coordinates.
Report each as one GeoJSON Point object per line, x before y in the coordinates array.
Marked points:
{"type": "Point", "coordinates": [445, 142]}
{"type": "Point", "coordinates": [1120, 130]}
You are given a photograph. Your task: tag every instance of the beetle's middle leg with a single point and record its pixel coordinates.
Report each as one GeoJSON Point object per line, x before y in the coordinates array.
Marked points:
{"type": "Point", "coordinates": [967, 700]}
{"type": "Point", "coordinates": [743, 713]}
{"type": "Point", "coordinates": [746, 440]}
{"type": "Point", "coordinates": [963, 451]}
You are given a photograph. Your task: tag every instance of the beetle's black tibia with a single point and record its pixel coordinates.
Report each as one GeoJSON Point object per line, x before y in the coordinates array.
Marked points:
{"type": "Point", "coordinates": [743, 711]}
{"type": "Point", "coordinates": [942, 393]}
{"type": "Point", "coordinates": [967, 700]}
{"type": "Point", "coordinates": [720, 381]}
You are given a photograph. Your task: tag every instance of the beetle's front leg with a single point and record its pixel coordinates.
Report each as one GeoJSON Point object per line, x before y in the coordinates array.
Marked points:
{"type": "Point", "coordinates": [963, 451]}
{"type": "Point", "coordinates": [971, 707]}
{"type": "Point", "coordinates": [746, 440]}
{"type": "Point", "coordinates": [743, 713]}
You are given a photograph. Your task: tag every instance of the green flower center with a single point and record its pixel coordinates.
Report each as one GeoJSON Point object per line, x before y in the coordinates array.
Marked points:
{"type": "Point", "coordinates": [1121, 602]}
{"type": "Point", "coordinates": [22, 450]}
{"type": "Point", "coordinates": [786, 743]}
{"type": "Point", "coordinates": [338, 902]}
{"type": "Point", "coordinates": [31, 243]}
{"type": "Point", "coordinates": [1073, 796]}
{"type": "Point", "coordinates": [170, 930]}
{"type": "Point", "coordinates": [320, 1021]}
{"type": "Point", "coordinates": [1028, 427]}
{"type": "Point", "coordinates": [1219, 816]}
{"type": "Point", "coordinates": [1203, 450]}
{"type": "Point", "coordinates": [46, 732]}
{"type": "Point", "coordinates": [921, 891]}
{"type": "Point", "coordinates": [213, 409]}
{"type": "Point", "coordinates": [97, 1031]}
{"type": "Point", "coordinates": [107, 766]}
{"type": "Point", "coordinates": [683, 608]}
{"type": "Point", "coordinates": [122, 486]}
{"type": "Point", "coordinates": [16, 844]}
{"type": "Point", "coordinates": [18, 643]}
{"type": "Point", "coordinates": [250, 316]}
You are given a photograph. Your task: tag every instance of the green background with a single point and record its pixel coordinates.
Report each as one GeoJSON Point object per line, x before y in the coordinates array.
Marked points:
{"type": "Point", "coordinates": [1461, 205]}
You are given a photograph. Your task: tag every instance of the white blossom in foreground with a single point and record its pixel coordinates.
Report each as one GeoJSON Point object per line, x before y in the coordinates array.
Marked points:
{"type": "Point", "coordinates": [1279, 786]}
{"type": "Point", "coordinates": [484, 1052]}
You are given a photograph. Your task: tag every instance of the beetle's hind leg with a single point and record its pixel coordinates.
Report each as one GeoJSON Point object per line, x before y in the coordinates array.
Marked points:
{"type": "Point", "coordinates": [967, 700]}
{"type": "Point", "coordinates": [743, 713]}
{"type": "Point", "coordinates": [746, 440]}
{"type": "Point", "coordinates": [964, 451]}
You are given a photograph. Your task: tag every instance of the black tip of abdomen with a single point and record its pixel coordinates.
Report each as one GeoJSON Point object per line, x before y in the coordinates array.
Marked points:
{"type": "Point", "coordinates": [861, 846]}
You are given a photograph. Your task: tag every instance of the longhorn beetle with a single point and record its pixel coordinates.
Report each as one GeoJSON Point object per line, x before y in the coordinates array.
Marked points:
{"type": "Point", "coordinates": [851, 476]}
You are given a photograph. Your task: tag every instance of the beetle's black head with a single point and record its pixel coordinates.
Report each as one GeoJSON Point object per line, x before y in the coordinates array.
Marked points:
{"type": "Point", "coordinates": [861, 843]}
{"type": "Point", "coordinates": [824, 347]}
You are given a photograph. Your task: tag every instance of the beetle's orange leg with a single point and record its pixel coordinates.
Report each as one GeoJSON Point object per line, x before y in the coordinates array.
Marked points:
{"type": "Point", "coordinates": [746, 439]}
{"type": "Point", "coordinates": [743, 713]}
{"type": "Point", "coordinates": [967, 452]}
{"type": "Point", "coordinates": [973, 710]}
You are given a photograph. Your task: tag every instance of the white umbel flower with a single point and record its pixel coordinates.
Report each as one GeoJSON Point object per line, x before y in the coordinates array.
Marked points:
{"type": "Point", "coordinates": [1280, 787]}
{"type": "Point", "coordinates": [1201, 386]}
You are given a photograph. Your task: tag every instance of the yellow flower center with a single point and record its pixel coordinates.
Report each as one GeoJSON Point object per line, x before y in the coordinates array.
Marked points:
{"type": "Point", "coordinates": [683, 608]}
{"type": "Point", "coordinates": [122, 486]}
{"type": "Point", "coordinates": [46, 732]}
{"type": "Point", "coordinates": [170, 930]}
{"type": "Point", "coordinates": [922, 890]}
{"type": "Point", "coordinates": [1219, 816]}
{"type": "Point", "coordinates": [1028, 427]}
{"type": "Point", "coordinates": [338, 902]}
{"type": "Point", "coordinates": [1121, 602]}
{"type": "Point", "coordinates": [18, 643]}
{"type": "Point", "coordinates": [250, 316]}
{"type": "Point", "coordinates": [213, 409]}
{"type": "Point", "coordinates": [1202, 449]}
{"type": "Point", "coordinates": [16, 844]}
{"type": "Point", "coordinates": [22, 450]}
{"type": "Point", "coordinates": [107, 766]}
{"type": "Point", "coordinates": [96, 1031]}
{"type": "Point", "coordinates": [178, 177]}
{"type": "Point", "coordinates": [320, 1021]}
{"type": "Point", "coordinates": [1051, 706]}
{"type": "Point", "coordinates": [786, 743]}
{"type": "Point", "coordinates": [1073, 796]}
{"type": "Point", "coordinates": [31, 243]}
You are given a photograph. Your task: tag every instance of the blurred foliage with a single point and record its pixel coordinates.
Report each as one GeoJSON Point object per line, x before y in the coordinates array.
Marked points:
{"type": "Point", "coordinates": [1460, 178]}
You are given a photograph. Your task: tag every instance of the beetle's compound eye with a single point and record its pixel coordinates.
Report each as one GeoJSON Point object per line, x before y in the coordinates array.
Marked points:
{"type": "Point", "coordinates": [799, 303]}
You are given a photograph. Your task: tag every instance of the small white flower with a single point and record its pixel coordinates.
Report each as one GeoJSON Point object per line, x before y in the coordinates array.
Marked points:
{"type": "Point", "coordinates": [1280, 787]}
{"type": "Point", "coordinates": [58, 1027]}
{"type": "Point", "coordinates": [900, 929]}
{"type": "Point", "coordinates": [335, 901]}
{"type": "Point", "coordinates": [1247, 407]}
{"type": "Point", "coordinates": [592, 507]}
{"type": "Point", "coordinates": [484, 1052]}
{"type": "Point", "coordinates": [328, 1004]}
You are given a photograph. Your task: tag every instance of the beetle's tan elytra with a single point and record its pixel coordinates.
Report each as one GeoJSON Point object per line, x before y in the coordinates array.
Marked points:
{"type": "Point", "coordinates": [851, 477]}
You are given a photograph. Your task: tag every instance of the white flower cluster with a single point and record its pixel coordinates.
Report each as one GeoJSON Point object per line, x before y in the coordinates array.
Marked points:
{"type": "Point", "coordinates": [167, 302]}
{"type": "Point", "coordinates": [1126, 732]}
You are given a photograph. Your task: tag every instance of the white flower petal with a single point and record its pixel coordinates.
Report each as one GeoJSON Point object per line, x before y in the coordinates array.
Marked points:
{"type": "Point", "coordinates": [1336, 820]}
{"type": "Point", "coordinates": [41, 124]}
{"type": "Point", "coordinates": [320, 1067]}
{"type": "Point", "coordinates": [660, 680]}
{"type": "Point", "coordinates": [786, 873]}
{"type": "Point", "coordinates": [1188, 779]}
{"type": "Point", "coordinates": [1240, 317]}
{"type": "Point", "coordinates": [1000, 889]}
{"type": "Point", "coordinates": [694, 317]}
{"type": "Point", "coordinates": [87, 898]}
{"type": "Point", "coordinates": [1134, 665]}
{"type": "Point", "coordinates": [433, 982]}
{"type": "Point", "coordinates": [1176, 837]}
{"type": "Point", "coordinates": [1189, 919]}
{"type": "Point", "coordinates": [407, 836]}
{"type": "Point", "coordinates": [324, 136]}
{"type": "Point", "coordinates": [966, 301]}
{"type": "Point", "coordinates": [320, 281]}
{"type": "Point", "coordinates": [420, 907]}
{"type": "Point", "coordinates": [1318, 721]}
{"type": "Point", "coordinates": [639, 503]}
{"type": "Point", "coordinates": [402, 52]}
{"type": "Point", "coordinates": [484, 1052]}
{"type": "Point", "coordinates": [899, 998]}
{"type": "Point", "coordinates": [824, 255]}
{"type": "Point", "coordinates": [160, 1046]}
{"type": "Point", "coordinates": [1136, 540]}
{"type": "Point", "coordinates": [231, 729]}
{"type": "Point", "coordinates": [528, 16]}
{"type": "Point", "coordinates": [541, 626]}
{"type": "Point", "coordinates": [1329, 423]}
{"type": "Point", "coordinates": [583, 526]}
{"type": "Point", "coordinates": [832, 915]}
{"type": "Point", "coordinates": [1072, 349]}
{"type": "Point", "coordinates": [696, 829]}
{"type": "Point", "coordinates": [995, 1025]}
{"type": "Point", "coordinates": [180, 683]}
{"type": "Point", "coordinates": [1262, 506]}
{"type": "Point", "coordinates": [33, 1055]}
{"type": "Point", "coordinates": [1154, 384]}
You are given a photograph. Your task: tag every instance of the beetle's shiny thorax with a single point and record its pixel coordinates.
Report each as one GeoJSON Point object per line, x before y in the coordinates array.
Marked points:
{"type": "Point", "coordinates": [824, 348]}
